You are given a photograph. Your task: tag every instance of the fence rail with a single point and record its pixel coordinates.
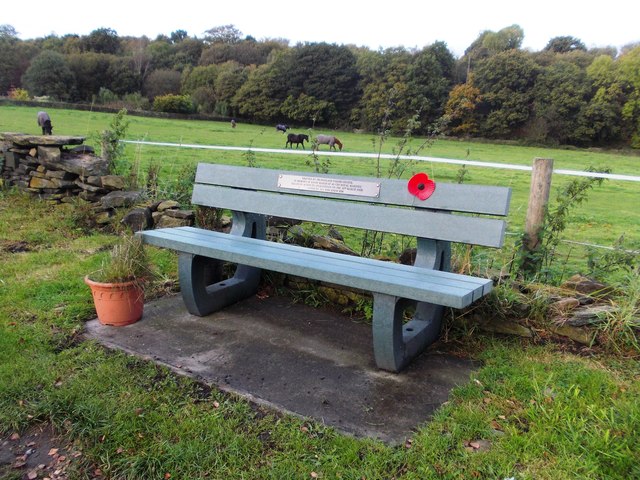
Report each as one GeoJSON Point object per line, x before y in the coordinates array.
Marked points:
{"type": "Point", "coordinates": [474, 163]}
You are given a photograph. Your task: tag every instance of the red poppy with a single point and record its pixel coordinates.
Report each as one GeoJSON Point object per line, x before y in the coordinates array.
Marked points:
{"type": "Point", "coordinates": [421, 186]}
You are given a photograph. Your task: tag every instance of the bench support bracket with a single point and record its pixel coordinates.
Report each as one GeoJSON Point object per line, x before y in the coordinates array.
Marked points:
{"type": "Point", "coordinates": [396, 343]}
{"type": "Point", "coordinates": [204, 290]}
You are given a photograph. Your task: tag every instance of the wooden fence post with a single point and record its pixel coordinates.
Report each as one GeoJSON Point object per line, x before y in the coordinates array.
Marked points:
{"type": "Point", "coordinates": [536, 210]}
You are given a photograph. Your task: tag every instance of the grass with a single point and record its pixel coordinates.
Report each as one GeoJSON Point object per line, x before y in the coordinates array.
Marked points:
{"type": "Point", "coordinates": [532, 411]}
{"type": "Point", "coordinates": [594, 222]}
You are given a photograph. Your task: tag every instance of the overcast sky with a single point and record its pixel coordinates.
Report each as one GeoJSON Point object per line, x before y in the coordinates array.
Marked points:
{"type": "Point", "coordinates": [373, 23]}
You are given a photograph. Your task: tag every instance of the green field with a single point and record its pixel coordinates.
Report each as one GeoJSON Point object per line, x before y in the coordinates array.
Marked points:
{"type": "Point", "coordinates": [610, 212]}
{"type": "Point", "coordinates": [542, 410]}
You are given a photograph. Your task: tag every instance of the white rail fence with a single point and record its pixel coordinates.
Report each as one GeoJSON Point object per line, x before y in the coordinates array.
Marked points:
{"type": "Point", "coordinates": [451, 161]}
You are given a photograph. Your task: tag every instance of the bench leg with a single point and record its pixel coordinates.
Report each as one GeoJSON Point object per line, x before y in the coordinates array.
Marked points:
{"type": "Point", "coordinates": [203, 288]}
{"type": "Point", "coordinates": [396, 343]}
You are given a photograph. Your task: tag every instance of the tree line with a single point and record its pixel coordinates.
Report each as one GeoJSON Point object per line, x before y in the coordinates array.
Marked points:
{"type": "Point", "coordinates": [563, 94]}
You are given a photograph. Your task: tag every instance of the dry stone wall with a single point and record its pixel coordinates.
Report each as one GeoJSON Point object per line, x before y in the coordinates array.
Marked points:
{"type": "Point", "coordinates": [61, 169]}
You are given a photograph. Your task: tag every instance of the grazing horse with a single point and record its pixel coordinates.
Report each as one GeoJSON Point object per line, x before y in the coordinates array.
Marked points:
{"type": "Point", "coordinates": [329, 140]}
{"type": "Point", "coordinates": [233, 123]}
{"type": "Point", "coordinates": [44, 121]}
{"type": "Point", "coordinates": [297, 138]}
{"type": "Point", "coordinates": [281, 127]}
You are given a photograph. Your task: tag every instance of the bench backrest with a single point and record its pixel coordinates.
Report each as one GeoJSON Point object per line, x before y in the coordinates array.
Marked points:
{"type": "Point", "coordinates": [363, 202]}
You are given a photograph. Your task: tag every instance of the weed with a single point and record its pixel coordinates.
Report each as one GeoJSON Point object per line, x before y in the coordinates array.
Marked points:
{"type": "Point", "coordinates": [112, 148]}
{"type": "Point", "coordinates": [541, 263]}
{"type": "Point", "coordinates": [620, 333]}
{"type": "Point", "coordinates": [319, 165]}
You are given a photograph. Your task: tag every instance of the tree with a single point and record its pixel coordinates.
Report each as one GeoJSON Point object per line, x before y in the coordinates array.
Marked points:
{"type": "Point", "coordinates": [162, 82]}
{"type": "Point", "coordinates": [91, 71]}
{"type": "Point", "coordinates": [228, 34]}
{"type": "Point", "coordinates": [383, 104]}
{"type": "Point", "coordinates": [230, 79]}
{"type": "Point", "coordinates": [628, 66]}
{"type": "Point", "coordinates": [429, 79]}
{"type": "Point", "coordinates": [325, 72]}
{"type": "Point", "coordinates": [101, 40]}
{"type": "Point", "coordinates": [505, 81]}
{"type": "Point", "coordinates": [460, 115]}
{"type": "Point", "coordinates": [255, 98]}
{"type": "Point", "coordinates": [178, 36]}
{"type": "Point", "coordinates": [565, 44]}
{"type": "Point", "coordinates": [15, 57]}
{"type": "Point", "coordinates": [561, 94]}
{"type": "Point", "coordinates": [49, 75]}
{"type": "Point", "coordinates": [509, 38]}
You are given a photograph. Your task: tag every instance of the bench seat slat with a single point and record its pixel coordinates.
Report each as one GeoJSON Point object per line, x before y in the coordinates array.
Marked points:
{"type": "Point", "coordinates": [420, 284]}
{"type": "Point", "coordinates": [418, 223]}
{"type": "Point", "coordinates": [405, 274]}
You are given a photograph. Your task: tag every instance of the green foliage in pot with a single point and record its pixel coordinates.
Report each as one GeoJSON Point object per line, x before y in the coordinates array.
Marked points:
{"type": "Point", "coordinates": [128, 261]}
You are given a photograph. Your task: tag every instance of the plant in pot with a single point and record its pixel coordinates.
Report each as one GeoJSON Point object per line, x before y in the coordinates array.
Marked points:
{"type": "Point", "coordinates": [118, 286]}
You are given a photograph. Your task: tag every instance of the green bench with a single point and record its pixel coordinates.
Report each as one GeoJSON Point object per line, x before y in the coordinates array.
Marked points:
{"type": "Point", "coordinates": [385, 205]}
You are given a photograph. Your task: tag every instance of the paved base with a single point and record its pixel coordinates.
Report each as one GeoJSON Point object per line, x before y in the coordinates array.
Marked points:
{"type": "Point", "coordinates": [297, 359]}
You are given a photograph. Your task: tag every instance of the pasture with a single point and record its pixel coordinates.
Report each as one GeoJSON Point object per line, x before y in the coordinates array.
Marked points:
{"type": "Point", "coordinates": [534, 409]}
{"type": "Point", "coordinates": [609, 214]}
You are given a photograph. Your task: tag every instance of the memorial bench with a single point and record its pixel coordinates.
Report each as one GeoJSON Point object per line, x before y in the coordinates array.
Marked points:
{"type": "Point", "coordinates": [385, 205]}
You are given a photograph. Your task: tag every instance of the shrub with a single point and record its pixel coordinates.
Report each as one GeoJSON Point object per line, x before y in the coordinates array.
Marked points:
{"type": "Point", "coordinates": [18, 94]}
{"type": "Point", "coordinates": [173, 104]}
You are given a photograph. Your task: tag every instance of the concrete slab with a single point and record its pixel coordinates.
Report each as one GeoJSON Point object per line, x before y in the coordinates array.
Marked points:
{"type": "Point", "coordinates": [300, 360]}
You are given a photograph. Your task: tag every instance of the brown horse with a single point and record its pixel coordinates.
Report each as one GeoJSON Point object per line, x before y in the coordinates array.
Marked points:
{"type": "Point", "coordinates": [329, 140]}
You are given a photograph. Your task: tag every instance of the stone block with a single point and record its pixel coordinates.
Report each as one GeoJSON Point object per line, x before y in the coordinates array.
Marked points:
{"type": "Point", "coordinates": [169, 222]}
{"type": "Point", "coordinates": [167, 204]}
{"type": "Point", "coordinates": [37, 182]}
{"type": "Point", "coordinates": [11, 160]}
{"type": "Point", "coordinates": [61, 174]}
{"type": "Point", "coordinates": [49, 155]}
{"type": "Point", "coordinates": [185, 214]}
{"type": "Point", "coordinates": [119, 198]}
{"type": "Point", "coordinates": [113, 182]}
{"type": "Point", "coordinates": [138, 219]}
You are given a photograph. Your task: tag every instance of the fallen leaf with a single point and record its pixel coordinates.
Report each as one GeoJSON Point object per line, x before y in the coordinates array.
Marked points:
{"type": "Point", "coordinates": [97, 472]}
{"type": "Point", "coordinates": [314, 475]}
{"type": "Point", "coordinates": [475, 445]}
{"type": "Point", "coordinates": [216, 404]}
{"type": "Point", "coordinates": [14, 437]}
{"type": "Point", "coordinates": [304, 429]}
{"type": "Point", "coordinates": [167, 475]}
{"type": "Point", "coordinates": [32, 475]}
{"type": "Point", "coordinates": [120, 450]}
{"type": "Point", "coordinates": [53, 452]}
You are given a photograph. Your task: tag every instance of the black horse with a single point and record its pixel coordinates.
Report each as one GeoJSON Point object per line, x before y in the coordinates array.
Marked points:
{"type": "Point", "coordinates": [297, 138]}
{"type": "Point", "coordinates": [281, 127]}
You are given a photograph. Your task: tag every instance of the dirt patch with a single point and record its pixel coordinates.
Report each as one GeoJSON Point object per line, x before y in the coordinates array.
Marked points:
{"type": "Point", "coordinates": [40, 453]}
{"type": "Point", "coordinates": [14, 247]}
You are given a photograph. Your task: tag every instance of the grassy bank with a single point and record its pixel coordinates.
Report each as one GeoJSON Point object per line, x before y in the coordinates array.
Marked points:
{"type": "Point", "coordinates": [532, 410]}
{"type": "Point", "coordinates": [539, 412]}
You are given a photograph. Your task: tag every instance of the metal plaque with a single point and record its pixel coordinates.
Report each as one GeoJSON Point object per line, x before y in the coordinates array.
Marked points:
{"type": "Point", "coordinates": [342, 186]}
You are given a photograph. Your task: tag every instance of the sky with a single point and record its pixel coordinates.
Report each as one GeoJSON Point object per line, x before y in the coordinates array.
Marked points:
{"type": "Point", "coordinates": [373, 23]}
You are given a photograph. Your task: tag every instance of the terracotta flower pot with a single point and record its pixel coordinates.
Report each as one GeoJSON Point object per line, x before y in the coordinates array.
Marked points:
{"type": "Point", "coordinates": [117, 304]}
